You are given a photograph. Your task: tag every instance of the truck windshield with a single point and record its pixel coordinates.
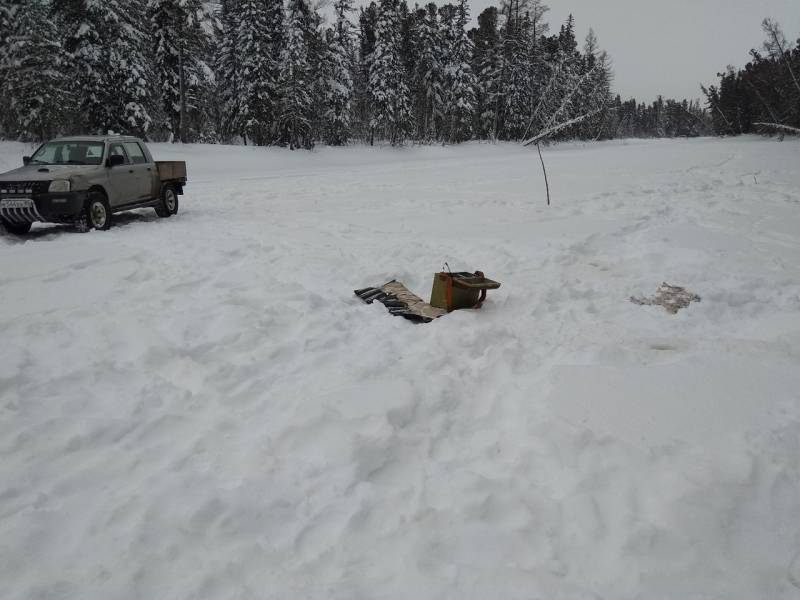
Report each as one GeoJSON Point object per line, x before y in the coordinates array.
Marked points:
{"type": "Point", "coordinates": [69, 153]}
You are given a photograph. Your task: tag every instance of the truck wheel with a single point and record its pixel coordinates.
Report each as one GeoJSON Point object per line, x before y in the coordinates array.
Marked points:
{"type": "Point", "coordinates": [169, 203]}
{"type": "Point", "coordinates": [16, 228]}
{"type": "Point", "coordinates": [97, 214]}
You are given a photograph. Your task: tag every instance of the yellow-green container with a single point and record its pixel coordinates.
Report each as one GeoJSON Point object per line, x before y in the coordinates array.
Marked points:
{"type": "Point", "coordinates": [455, 291]}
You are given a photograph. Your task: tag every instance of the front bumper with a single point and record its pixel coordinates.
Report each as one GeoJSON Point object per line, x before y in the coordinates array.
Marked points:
{"type": "Point", "coordinates": [48, 208]}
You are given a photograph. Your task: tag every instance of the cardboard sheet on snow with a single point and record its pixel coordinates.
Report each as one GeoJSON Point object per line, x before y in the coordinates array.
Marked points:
{"type": "Point", "coordinates": [401, 302]}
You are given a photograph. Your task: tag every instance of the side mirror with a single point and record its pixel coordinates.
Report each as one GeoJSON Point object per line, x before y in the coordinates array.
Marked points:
{"type": "Point", "coordinates": [115, 161]}
{"type": "Point", "coordinates": [26, 160]}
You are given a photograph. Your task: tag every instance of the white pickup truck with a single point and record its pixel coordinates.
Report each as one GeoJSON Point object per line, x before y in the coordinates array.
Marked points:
{"type": "Point", "coordinates": [85, 180]}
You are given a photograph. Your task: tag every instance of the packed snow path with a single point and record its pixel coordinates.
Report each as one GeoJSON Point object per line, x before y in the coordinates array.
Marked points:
{"type": "Point", "coordinates": [200, 408]}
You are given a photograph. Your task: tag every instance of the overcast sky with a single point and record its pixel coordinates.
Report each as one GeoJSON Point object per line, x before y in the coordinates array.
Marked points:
{"type": "Point", "coordinates": [670, 47]}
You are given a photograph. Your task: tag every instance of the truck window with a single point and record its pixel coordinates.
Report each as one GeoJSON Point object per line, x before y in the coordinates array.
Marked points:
{"type": "Point", "coordinates": [94, 154]}
{"type": "Point", "coordinates": [118, 150]}
{"type": "Point", "coordinates": [68, 152]}
{"type": "Point", "coordinates": [136, 153]}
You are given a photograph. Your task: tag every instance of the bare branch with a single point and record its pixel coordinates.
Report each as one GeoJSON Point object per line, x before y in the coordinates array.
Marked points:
{"type": "Point", "coordinates": [554, 130]}
{"type": "Point", "coordinates": [780, 127]}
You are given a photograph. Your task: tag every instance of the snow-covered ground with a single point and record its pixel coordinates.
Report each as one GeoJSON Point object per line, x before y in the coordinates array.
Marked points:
{"type": "Point", "coordinates": [200, 408]}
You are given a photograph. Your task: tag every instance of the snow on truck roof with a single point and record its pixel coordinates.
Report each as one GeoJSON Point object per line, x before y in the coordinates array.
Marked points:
{"type": "Point", "coordinates": [96, 138]}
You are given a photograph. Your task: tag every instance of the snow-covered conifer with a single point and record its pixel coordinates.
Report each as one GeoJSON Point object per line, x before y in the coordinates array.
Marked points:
{"type": "Point", "coordinates": [340, 86]}
{"type": "Point", "coordinates": [108, 42]}
{"type": "Point", "coordinates": [228, 71]}
{"type": "Point", "coordinates": [362, 103]}
{"type": "Point", "coordinates": [294, 118]}
{"type": "Point", "coordinates": [259, 42]}
{"type": "Point", "coordinates": [7, 18]}
{"type": "Point", "coordinates": [595, 92]}
{"type": "Point", "coordinates": [8, 9]}
{"type": "Point", "coordinates": [517, 70]}
{"type": "Point", "coordinates": [34, 81]}
{"type": "Point", "coordinates": [388, 89]}
{"type": "Point", "coordinates": [428, 76]}
{"type": "Point", "coordinates": [179, 60]}
{"type": "Point", "coordinates": [488, 66]}
{"type": "Point", "coordinates": [460, 82]}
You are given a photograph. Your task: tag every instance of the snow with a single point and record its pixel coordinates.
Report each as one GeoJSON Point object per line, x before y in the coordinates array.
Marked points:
{"type": "Point", "coordinates": [200, 408]}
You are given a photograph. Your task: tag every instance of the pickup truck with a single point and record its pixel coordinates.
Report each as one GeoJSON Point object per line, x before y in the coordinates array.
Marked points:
{"type": "Point", "coordinates": [84, 180]}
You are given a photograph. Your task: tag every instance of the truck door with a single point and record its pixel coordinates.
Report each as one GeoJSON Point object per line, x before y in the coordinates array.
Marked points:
{"type": "Point", "coordinates": [120, 178]}
{"type": "Point", "coordinates": [142, 170]}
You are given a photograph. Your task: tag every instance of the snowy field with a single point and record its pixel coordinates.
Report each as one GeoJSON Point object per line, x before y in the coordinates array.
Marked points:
{"type": "Point", "coordinates": [200, 408]}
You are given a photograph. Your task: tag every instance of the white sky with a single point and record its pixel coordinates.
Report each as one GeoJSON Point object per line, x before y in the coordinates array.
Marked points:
{"type": "Point", "coordinates": [670, 47]}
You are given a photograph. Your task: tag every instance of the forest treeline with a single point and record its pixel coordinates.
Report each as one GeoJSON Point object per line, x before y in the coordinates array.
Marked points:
{"type": "Point", "coordinates": [275, 72]}
{"type": "Point", "coordinates": [764, 96]}
{"type": "Point", "coordinates": [278, 72]}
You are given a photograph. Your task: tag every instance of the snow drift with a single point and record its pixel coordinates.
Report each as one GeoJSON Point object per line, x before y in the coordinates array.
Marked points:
{"type": "Point", "coordinates": [200, 408]}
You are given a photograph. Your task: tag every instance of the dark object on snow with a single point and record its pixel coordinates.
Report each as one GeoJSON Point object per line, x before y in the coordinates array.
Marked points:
{"type": "Point", "coordinates": [671, 297]}
{"type": "Point", "coordinates": [456, 291]}
{"type": "Point", "coordinates": [451, 291]}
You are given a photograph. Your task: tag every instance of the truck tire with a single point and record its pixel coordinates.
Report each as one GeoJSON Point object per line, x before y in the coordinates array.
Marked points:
{"type": "Point", "coordinates": [16, 228]}
{"type": "Point", "coordinates": [96, 213]}
{"type": "Point", "coordinates": [169, 202]}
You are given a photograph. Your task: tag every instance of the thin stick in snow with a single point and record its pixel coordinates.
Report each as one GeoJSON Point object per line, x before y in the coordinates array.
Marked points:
{"type": "Point", "coordinates": [547, 185]}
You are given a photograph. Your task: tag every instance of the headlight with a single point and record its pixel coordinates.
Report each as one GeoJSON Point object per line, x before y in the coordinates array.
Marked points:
{"type": "Point", "coordinates": [59, 185]}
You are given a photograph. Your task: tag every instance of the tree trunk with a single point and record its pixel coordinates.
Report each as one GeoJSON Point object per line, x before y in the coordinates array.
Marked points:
{"type": "Point", "coordinates": [182, 116]}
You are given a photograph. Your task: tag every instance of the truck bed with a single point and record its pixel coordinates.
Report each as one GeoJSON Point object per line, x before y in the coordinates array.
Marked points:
{"type": "Point", "coordinates": [171, 170]}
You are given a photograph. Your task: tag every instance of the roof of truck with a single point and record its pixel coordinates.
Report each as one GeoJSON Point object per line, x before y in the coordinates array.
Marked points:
{"type": "Point", "coordinates": [97, 138]}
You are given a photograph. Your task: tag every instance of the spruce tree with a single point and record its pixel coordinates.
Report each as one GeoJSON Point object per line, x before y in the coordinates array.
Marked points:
{"type": "Point", "coordinates": [110, 63]}
{"type": "Point", "coordinates": [8, 10]}
{"type": "Point", "coordinates": [367, 19]}
{"type": "Point", "coordinates": [561, 90]}
{"type": "Point", "coordinates": [259, 38]}
{"type": "Point", "coordinates": [340, 89]}
{"type": "Point", "coordinates": [180, 48]}
{"type": "Point", "coordinates": [460, 80]}
{"type": "Point", "coordinates": [32, 71]}
{"type": "Point", "coordinates": [429, 75]}
{"type": "Point", "coordinates": [488, 66]}
{"type": "Point", "coordinates": [764, 96]}
{"type": "Point", "coordinates": [228, 71]}
{"type": "Point", "coordinates": [595, 93]}
{"type": "Point", "coordinates": [517, 70]}
{"type": "Point", "coordinates": [318, 41]}
{"type": "Point", "coordinates": [388, 89]}
{"type": "Point", "coordinates": [294, 119]}
{"type": "Point", "coordinates": [8, 18]}
{"type": "Point", "coordinates": [408, 40]}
